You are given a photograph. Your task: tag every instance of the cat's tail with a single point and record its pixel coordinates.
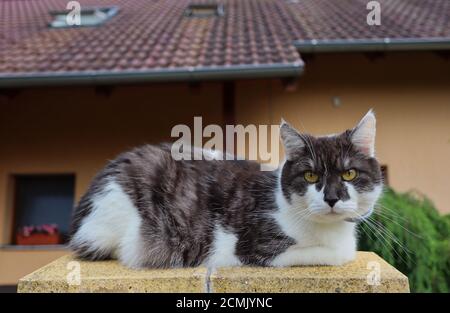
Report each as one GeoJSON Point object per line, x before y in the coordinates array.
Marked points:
{"type": "Point", "coordinates": [80, 242]}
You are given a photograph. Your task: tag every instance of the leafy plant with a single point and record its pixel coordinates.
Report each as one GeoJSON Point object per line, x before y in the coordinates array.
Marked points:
{"type": "Point", "coordinates": [409, 233]}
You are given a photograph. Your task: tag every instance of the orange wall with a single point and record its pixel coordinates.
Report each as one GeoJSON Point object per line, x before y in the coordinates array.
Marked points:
{"type": "Point", "coordinates": [75, 130]}
{"type": "Point", "coordinates": [410, 94]}
{"type": "Point", "coordinates": [16, 264]}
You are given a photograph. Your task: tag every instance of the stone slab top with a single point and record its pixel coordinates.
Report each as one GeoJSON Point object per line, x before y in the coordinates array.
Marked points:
{"type": "Point", "coordinates": [368, 273]}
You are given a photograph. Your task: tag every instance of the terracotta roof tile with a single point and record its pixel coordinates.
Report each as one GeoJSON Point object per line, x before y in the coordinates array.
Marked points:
{"type": "Point", "coordinates": [156, 35]}
{"type": "Point", "coordinates": [346, 19]}
{"type": "Point", "coordinates": [143, 35]}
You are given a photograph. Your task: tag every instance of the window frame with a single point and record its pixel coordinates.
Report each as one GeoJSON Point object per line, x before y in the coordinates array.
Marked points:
{"type": "Point", "coordinates": [13, 189]}
{"type": "Point", "coordinates": [217, 10]}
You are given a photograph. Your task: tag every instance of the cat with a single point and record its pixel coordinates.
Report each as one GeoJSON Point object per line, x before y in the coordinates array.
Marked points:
{"type": "Point", "coordinates": [148, 210]}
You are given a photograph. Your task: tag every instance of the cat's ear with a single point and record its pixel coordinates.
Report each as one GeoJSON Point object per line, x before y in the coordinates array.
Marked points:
{"type": "Point", "coordinates": [292, 140]}
{"type": "Point", "coordinates": [363, 135]}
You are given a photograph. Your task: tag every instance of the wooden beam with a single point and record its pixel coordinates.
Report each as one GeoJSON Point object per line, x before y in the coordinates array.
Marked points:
{"type": "Point", "coordinates": [228, 108]}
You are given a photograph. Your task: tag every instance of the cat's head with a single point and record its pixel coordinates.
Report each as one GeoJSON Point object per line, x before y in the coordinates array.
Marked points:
{"type": "Point", "coordinates": [331, 178]}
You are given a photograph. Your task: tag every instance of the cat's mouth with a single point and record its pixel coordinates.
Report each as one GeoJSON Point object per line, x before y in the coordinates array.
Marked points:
{"type": "Point", "coordinates": [330, 216]}
{"type": "Point", "coordinates": [332, 213]}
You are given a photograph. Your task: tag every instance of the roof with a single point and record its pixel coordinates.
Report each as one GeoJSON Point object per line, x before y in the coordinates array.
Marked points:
{"type": "Point", "coordinates": [324, 25]}
{"type": "Point", "coordinates": [154, 40]}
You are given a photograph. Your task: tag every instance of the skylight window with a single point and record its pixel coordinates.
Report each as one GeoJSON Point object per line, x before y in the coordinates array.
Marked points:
{"type": "Point", "coordinates": [86, 17]}
{"type": "Point", "coordinates": [204, 10]}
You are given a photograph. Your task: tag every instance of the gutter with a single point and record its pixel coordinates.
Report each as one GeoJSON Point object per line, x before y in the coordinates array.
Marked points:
{"type": "Point", "coordinates": [369, 45]}
{"type": "Point", "coordinates": [187, 74]}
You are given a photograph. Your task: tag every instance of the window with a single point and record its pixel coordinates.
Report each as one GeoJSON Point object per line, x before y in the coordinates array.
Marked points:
{"type": "Point", "coordinates": [87, 16]}
{"type": "Point", "coordinates": [204, 10]}
{"type": "Point", "coordinates": [43, 200]}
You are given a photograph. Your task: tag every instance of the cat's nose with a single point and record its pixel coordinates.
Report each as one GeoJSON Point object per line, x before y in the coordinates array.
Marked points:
{"type": "Point", "coordinates": [331, 201]}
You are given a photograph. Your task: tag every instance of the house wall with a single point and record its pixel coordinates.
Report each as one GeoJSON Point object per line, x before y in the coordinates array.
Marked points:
{"type": "Point", "coordinates": [75, 130]}
{"type": "Point", "coordinates": [16, 264]}
{"type": "Point", "coordinates": [410, 93]}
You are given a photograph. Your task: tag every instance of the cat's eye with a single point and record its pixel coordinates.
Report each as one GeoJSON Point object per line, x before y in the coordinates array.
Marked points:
{"type": "Point", "coordinates": [311, 177]}
{"type": "Point", "coordinates": [349, 175]}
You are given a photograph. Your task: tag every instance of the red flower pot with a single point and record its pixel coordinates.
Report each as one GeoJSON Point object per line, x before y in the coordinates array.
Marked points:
{"type": "Point", "coordinates": [38, 239]}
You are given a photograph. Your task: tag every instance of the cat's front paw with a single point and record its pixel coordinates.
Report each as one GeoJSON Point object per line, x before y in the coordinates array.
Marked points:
{"type": "Point", "coordinates": [342, 258]}
{"type": "Point", "coordinates": [314, 256]}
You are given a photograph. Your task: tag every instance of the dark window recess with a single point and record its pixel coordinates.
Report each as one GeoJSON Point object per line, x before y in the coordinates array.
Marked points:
{"type": "Point", "coordinates": [384, 173]}
{"type": "Point", "coordinates": [204, 10]}
{"type": "Point", "coordinates": [93, 16]}
{"type": "Point", "coordinates": [44, 199]}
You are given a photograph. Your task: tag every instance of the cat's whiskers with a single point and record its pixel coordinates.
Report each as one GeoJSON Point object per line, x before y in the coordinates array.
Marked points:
{"type": "Point", "coordinates": [386, 216]}
{"type": "Point", "coordinates": [380, 207]}
{"type": "Point", "coordinates": [369, 234]}
{"type": "Point", "coordinates": [383, 240]}
{"type": "Point", "coordinates": [384, 235]}
{"type": "Point", "coordinates": [374, 231]}
{"type": "Point", "coordinates": [390, 235]}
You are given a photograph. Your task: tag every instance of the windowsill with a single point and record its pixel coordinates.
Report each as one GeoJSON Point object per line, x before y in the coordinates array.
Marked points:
{"type": "Point", "coordinates": [33, 248]}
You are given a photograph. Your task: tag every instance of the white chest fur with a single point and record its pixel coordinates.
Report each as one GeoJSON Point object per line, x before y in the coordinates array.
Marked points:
{"type": "Point", "coordinates": [316, 243]}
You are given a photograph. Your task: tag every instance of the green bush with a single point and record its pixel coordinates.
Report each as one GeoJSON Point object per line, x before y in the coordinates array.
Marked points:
{"type": "Point", "coordinates": [409, 233]}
